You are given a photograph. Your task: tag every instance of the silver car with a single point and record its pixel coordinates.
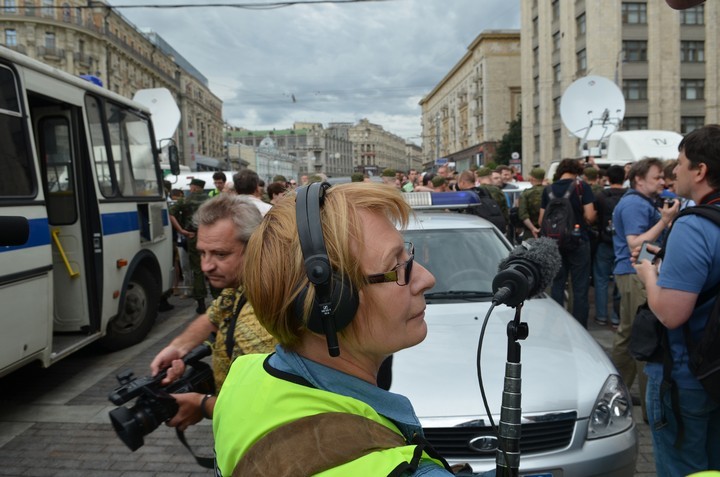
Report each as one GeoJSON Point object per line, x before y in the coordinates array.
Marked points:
{"type": "Point", "coordinates": [576, 411]}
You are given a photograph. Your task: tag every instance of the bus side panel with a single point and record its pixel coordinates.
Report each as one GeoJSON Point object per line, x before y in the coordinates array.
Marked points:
{"type": "Point", "coordinates": [26, 294]}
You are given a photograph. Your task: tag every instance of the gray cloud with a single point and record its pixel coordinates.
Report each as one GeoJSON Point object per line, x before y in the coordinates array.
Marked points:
{"type": "Point", "coordinates": [341, 62]}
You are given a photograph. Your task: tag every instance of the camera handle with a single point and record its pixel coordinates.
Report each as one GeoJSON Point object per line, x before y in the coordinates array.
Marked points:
{"type": "Point", "coordinates": [507, 457]}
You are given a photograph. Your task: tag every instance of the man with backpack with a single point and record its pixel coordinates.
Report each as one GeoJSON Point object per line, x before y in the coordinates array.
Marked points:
{"type": "Point", "coordinates": [566, 212]}
{"type": "Point", "coordinates": [605, 202]}
{"type": "Point", "coordinates": [487, 207]}
{"type": "Point", "coordinates": [684, 413]}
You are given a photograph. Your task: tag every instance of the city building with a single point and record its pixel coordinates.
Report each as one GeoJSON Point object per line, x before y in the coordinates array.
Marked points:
{"type": "Point", "coordinates": [664, 61]}
{"type": "Point", "coordinates": [314, 148]}
{"type": "Point", "coordinates": [91, 38]}
{"type": "Point", "coordinates": [374, 149]}
{"type": "Point", "coordinates": [468, 111]}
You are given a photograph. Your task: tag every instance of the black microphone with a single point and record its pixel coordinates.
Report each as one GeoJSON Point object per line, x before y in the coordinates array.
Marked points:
{"type": "Point", "coordinates": [14, 230]}
{"type": "Point", "coordinates": [526, 272]}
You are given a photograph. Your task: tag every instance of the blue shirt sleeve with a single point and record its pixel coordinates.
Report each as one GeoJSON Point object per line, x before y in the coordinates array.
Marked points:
{"type": "Point", "coordinates": [688, 260]}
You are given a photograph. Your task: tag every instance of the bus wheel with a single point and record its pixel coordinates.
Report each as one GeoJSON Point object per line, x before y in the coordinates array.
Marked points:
{"type": "Point", "coordinates": [138, 314]}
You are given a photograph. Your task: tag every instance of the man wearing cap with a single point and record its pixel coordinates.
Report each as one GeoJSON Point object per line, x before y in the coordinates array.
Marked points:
{"type": "Point", "coordinates": [529, 204]}
{"type": "Point", "coordinates": [181, 218]}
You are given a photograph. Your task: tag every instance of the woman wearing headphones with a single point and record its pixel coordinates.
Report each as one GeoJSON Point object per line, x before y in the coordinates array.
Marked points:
{"type": "Point", "coordinates": [331, 278]}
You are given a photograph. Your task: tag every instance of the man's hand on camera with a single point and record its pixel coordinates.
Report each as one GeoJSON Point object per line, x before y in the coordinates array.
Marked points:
{"type": "Point", "coordinates": [189, 411]}
{"type": "Point", "coordinates": [171, 358]}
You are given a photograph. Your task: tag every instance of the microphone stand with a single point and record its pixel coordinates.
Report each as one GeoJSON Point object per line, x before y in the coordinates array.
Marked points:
{"type": "Point", "coordinates": [510, 412]}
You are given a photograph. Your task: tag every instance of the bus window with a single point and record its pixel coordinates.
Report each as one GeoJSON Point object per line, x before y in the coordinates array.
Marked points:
{"type": "Point", "coordinates": [54, 138]}
{"type": "Point", "coordinates": [100, 157]}
{"type": "Point", "coordinates": [15, 159]}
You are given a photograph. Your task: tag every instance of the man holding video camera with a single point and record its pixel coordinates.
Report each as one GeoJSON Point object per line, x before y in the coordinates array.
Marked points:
{"type": "Point", "coordinates": [636, 219]}
{"type": "Point", "coordinates": [224, 225]}
{"type": "Point", "coordinates": [685, 421]}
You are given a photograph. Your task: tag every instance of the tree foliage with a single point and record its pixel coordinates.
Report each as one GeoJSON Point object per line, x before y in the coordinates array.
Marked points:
{"type": "Point", "coordinates": [510, 142]}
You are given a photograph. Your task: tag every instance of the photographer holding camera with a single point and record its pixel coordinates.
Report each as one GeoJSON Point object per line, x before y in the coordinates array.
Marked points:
{"type": "Point", "coordinates": [224, 226]}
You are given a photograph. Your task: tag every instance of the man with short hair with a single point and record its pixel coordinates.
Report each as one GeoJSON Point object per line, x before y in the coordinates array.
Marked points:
{"type": "Point", "coordinates": [483, 179]}
{"type": "Point", "coordinates": [529, 204]}
{"type": "Point", "coordinates": [224, 226]}
{"type": "Point", "coordinates": [181, 218]}
{"type": "Point", "coordinates": [247, 184]}
{"type": "Point", "coordinates": [636, 220]}
{"type": "Point", "coordinates": [691, 266]}
{"type": "Point", "coordinates": [219, 179]}
{"type": "Point", "coordinates": [412, 181]}
{"type": "Point", "coordinates": [496, 179]}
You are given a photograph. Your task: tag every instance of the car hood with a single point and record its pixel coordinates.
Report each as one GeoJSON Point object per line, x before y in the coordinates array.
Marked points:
{"type": "Point", "coordinates": [563, 368]}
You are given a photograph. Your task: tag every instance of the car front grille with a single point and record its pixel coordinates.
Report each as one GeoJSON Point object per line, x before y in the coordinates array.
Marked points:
{"type": "Point", "coordinates": [537, 436]}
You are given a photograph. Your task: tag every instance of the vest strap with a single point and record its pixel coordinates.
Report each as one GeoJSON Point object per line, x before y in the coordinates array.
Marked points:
{"type": "Point", "coordinates": [332, 439]}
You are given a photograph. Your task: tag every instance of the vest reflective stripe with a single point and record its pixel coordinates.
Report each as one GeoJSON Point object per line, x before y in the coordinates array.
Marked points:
{"type": "Point", "coordinates": [252, 403]}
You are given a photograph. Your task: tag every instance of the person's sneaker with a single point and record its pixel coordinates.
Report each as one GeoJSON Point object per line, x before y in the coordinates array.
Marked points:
{"type": "Point", "coordinates": [615, 325]}
{"type": "Point", "coordinates": [200, 307]}
{"type": "Point", "coordinates": [600, 322]}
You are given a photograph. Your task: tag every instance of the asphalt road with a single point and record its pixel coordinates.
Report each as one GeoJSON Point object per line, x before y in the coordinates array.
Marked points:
{"type": "Point", "coordinates": [54, 422]}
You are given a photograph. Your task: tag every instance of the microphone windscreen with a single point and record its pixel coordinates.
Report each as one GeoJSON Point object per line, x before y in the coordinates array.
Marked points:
{"type": "Point", "coordinates": [544, 253]}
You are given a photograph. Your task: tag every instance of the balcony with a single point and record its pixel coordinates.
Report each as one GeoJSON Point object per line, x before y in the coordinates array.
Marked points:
{"type": "Point", "coordinates": [51, 52]}
{"type": "Point", "coordinates": [19, 48]}
{"type": "Point", "coordinates": [83, 59]}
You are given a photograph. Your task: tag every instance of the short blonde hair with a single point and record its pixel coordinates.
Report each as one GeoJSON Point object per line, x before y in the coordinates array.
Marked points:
{"type": "Point", "coordinates": [274, 267]}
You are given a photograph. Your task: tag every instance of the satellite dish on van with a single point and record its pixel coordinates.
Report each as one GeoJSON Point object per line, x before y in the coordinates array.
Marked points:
{"type": "Point", "coordinates": [592, 108]}
{"type": "Point", "coordinates": [165, 113]}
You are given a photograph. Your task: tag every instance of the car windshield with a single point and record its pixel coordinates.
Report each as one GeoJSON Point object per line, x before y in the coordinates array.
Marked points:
{"type": "Point", "coordinates": [463, 261]}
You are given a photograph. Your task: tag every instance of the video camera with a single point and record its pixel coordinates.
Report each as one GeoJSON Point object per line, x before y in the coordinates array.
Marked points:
{"type": "Point", "coordinates": [155, 405]}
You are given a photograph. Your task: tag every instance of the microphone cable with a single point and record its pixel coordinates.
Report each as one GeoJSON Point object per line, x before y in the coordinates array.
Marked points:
{"type": "Point", "coordinates": [482, 386]}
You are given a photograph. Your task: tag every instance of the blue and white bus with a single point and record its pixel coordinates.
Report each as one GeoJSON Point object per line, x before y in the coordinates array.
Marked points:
{"type": "Point", "coordinates": [85, 239]}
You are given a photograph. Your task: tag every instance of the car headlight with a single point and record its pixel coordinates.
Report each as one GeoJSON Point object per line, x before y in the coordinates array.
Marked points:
{"type": "Point", "coordinates": [612, 412]}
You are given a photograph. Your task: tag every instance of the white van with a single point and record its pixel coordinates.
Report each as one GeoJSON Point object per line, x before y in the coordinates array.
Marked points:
{"type": "Point", "coordinates": [631, 146]}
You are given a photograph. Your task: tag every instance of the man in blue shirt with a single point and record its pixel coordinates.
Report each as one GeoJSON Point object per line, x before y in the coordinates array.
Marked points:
{"type": "Point", "coordinates": [691, 266]}
{"type": "Point", "coordinates": [636, 220]}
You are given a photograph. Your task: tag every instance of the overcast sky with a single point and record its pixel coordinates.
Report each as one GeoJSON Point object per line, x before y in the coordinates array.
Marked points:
{"type": "Point", "coordinates": [324, 62]}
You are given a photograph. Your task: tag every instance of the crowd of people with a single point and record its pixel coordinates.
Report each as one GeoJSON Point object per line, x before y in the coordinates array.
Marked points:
{"type": "Point", "coordinates": [307, 284]}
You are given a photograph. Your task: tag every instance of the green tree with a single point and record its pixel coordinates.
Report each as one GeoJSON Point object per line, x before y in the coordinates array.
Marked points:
{"type": "Point", "coordinates": [510, 142]}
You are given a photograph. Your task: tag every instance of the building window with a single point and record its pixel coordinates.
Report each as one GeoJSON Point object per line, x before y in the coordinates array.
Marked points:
{"type": "Point", "coordinates": [693, 15]}
{"type": "Point", "coordinates": [635, 50]}
{"type": "Point", "coordinates": [580, 24]}
{"type": "Point", "coordinates": [67, 13]}
{"type": "Point", "coordinates": [690, 123]}
{"type": "Point", "coordinates": [692, 89]}
{"type": "Point", "coordinates": [50, 41]}
{"type": "Point", "coordinates": [581, 61]}
{"type": "Point", "coordinates": [556, 41]}
{"type": "Point", "coordinates": [634, 13]}
{"type": "Point", "coordinates": [30, 8]}
{"type": "Point", "coordinates": [557, 74]}
{"type": "Point", "coordinates": [632, 123]}
{"type": "Point", "coordinates": [556, 106]}
{"type": "Point", "coordinates": [78, 16]}
{"type": "Point", "coordinates": [10, 37]}
{"type": "Point", "coordinates": [692, 51]}
{"type": "Point", "coordinates": [10, 6]}
{"type": "Point", "coordinates": [48, 9]}
{"type": "Point", "coordinates": [556, 10]}
{"type": "Point", "coordinates": [635, 89]}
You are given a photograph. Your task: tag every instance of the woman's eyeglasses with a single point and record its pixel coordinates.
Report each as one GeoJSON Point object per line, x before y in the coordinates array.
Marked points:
{"type": "Point", "coordinates": [400, 274]}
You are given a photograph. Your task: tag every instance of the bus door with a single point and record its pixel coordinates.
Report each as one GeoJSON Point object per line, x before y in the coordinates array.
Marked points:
{"type": "Point", "coordinates": [73, 221]}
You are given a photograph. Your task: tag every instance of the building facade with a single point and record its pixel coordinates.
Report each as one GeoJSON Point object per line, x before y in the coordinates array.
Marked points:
{"type": "Point", "coordinates": [468, 111]}
{"type": "Point", "coordinates": [91, 38]}
{"type": "Point", "coordinates": [665, 61]}
{"type": "Point", "coordinates": [375, 149]}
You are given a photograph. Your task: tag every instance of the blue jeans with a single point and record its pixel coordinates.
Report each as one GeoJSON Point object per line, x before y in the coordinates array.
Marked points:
{"type": "Point", "coordinates": [602, 269]}
{"type": "Point", "coordinates": [699, 449]}
{"type": "Point", "coordinates": [577, 264]}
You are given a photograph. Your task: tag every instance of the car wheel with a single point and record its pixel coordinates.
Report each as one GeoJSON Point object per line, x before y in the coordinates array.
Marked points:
{"type": "Point", "coordinates": [137, 315]}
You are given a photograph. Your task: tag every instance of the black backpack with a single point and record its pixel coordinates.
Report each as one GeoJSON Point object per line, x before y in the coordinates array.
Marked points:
{"type": "Point", "coordinates": [488, 209]}
{"type": "Point", "coordinates": [559, 221]}
{"type": "Point", "coordinates": [610, 199]}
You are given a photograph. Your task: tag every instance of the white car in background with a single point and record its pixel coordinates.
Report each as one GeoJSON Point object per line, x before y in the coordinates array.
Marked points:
{"type": "Point", "coordinates": [576, 411]}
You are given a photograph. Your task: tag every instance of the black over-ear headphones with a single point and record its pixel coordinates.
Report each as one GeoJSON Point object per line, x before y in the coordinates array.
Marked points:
{"type": "Point", "coordinates": [336, 300]}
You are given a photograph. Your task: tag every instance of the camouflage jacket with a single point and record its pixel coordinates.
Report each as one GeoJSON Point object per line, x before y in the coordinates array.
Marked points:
{"type": "Point", "coordinates": [529, 204]}
{"type": "Point", "coordinates": [184, 209]}
{"type": "Point", "coordinates": [250, 336]}
{"type": "Point", "coordinates": [499, 197]}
